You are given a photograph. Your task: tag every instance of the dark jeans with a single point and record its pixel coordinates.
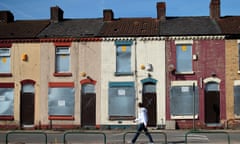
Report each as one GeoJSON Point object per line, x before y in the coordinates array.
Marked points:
{"type": "Point", "coordinates": [140, 128]}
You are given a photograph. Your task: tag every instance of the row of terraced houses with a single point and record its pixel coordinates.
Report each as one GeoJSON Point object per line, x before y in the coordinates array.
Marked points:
{"type": "Point", "coordinates": [92, 72]}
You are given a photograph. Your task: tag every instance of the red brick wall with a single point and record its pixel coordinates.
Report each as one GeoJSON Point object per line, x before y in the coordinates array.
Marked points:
{"type": "Point", "coordinates": [211, 59]}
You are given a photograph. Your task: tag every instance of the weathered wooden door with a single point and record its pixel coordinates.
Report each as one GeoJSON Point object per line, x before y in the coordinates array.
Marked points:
{"type": "Point", "coordinates": [27, 109]}
{"type": "Point", "coordinates": [149, 101]}
{"type": "Point", "coordinates": [88, 105]}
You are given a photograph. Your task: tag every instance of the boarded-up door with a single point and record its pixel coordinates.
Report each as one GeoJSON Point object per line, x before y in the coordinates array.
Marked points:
{"type": "Point", "coordinates": [149, 101]}
{"type": "Point", "coordinates": [27, 109]}
{"type": "Point", "coordinates": [88, 105]}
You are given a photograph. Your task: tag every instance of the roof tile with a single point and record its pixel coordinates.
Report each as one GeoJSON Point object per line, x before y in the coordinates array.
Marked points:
{"type": "Point", "coordinates": [22, 29]}
{"type": "Point", "coordinates": [130, 27]}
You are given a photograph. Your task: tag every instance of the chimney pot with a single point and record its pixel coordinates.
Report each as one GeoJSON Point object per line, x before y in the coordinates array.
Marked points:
{"type": "Point", "coordinates": [6, 17]}
{"type": "Point", "coordinates": [215, 9]}
{"type": "Point", "coordinates": [161, 10]}
{"type": "Point", "coordinates": [56, 14]}
{"type": "Point", "coordinates": [108, 15]}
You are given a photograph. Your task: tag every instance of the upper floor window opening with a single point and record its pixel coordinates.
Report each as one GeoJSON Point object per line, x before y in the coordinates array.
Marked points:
{"type": "Point", "coordinates": [5, 60]}
{"type": "Point", "coordinates": [184, 58]}
{"type": "Point", "coordinates": [123, 57]}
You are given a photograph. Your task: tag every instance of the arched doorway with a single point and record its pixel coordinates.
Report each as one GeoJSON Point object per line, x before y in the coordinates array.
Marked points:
{"type": "Point", "coordinates": [88, 103]}
{"type": "Point", "coordinates": [149, 99]}
{"type": "Point", "coordinates": [212, 103]}
{"type": "Point", "coordinates": [27, 104]}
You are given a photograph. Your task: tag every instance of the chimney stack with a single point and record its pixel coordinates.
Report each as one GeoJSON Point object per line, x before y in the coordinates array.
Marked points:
{"type": "Point", "coordinates": [108, 15]}
{"type": "Point", "coordinates": [56, 14]}
{"type": "Point", "coordinates": [161, 11]}
{"type": "Point", "coordinates": [6, 17]}
{"type": "Point", "coordinates": [215, 9]}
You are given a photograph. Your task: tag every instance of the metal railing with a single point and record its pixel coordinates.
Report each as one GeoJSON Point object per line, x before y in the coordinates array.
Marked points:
{"type": "Point", "coordinates": [85, 133]}
{"type": "Point", "coordinates": [99, 136]}
{"type": "Point", "coordinates": [26, 133]}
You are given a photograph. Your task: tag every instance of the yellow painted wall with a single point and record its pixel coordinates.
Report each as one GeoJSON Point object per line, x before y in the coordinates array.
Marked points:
{"type": "Point", "coordinates": [22, 70]}
{"type": "Point", "coordinates": [232, 74]}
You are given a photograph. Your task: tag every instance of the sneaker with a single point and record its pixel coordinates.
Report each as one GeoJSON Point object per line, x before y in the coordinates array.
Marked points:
{"type": "Point", "coordinates": [130, 142]}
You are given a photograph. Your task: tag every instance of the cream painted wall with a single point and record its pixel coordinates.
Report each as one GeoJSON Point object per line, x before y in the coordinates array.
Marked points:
{"type": "Point", "coordinates": [85, 57]}
{"type": "Point", "coordinates": [143, 52]}
{"type": "Point", "coordinates": [90, 63]}
{"type": "Point", "coordinates": [47, 71]}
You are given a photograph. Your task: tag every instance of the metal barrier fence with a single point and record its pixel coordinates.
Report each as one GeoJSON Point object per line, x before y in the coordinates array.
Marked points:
{"type": "Point", "coordinates": [85, 133]}
{"type": "Point", "coordinates": [206, 132]}
{"type": "Point", "coordinates": [26, 133]}
{"type": "Point", "coordinates": [160, 133]}
{"type": "Point", "coordinates": [102, 139]}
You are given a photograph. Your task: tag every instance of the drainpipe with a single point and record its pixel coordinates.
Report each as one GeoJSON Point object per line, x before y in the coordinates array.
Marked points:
{"type": "Point", "coordinates": [135, 70]}
{"type": "Point", "coordinates": [194, 111]}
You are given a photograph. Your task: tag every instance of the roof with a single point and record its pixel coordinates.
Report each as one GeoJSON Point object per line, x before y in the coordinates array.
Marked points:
{"type": "Point", "coordinates": [76, 28]}
{"type": "Point", "coordinates": [230, 24]}
{"type": "Point", "coordinates": [22, 29]}
{"type": "Point", "coordinates": [130, 27]}
{"type": "Point", "coordinates": [175, 26]}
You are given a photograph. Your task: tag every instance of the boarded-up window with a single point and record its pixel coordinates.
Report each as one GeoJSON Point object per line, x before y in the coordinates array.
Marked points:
{"type": "Point", "coordinates": [237, 100]}
{"type": "Point", "coordinates": [181, 101]}
{"type": "Point", "coordinates": [62, 60]}
{"type": "Point", "coordinates": [149, 88]}
{"type": "Point", "coordinates": [184, 58]}
{"type": "Point", "coordinates": [239, 56]}
{"type": "Point", "coordinates": [88, 89]}
{"type": "Point", "coordinates": [123, 57]}
{"type": "Point", "coordinates": [61, 101]}
{"type": "Point", "coordinates": [5, 60]}
{"type": "Point", "coordinates": [121, 99]}
{"type": "Point", "coordinates": [212, 86]}
{"type": "Point", "coordinates": [6, 101]}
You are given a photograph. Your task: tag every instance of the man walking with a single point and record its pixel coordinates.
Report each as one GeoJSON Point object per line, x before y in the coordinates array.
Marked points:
{"type": "Point", "coordinates": [142, 120]}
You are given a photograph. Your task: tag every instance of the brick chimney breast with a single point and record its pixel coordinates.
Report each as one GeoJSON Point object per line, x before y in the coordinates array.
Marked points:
{"type": "Point", "coordinates": [6, 17]}
{"type": "Point", "coordinates": [161, 11]}
{"type": "Point", "coordinates": [108, 15]}
{"type": "Point", "coordinates": [56, 14]}
{"type": "Point", "coordinates": [215, 11]}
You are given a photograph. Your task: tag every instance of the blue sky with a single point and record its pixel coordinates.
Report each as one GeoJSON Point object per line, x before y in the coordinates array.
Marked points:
{"type": "Point", "coordinates": [40, 9]}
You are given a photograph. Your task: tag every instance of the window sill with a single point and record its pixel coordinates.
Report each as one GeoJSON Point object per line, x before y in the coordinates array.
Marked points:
{"type": "Point", "coordinates": [183, 117]}
{"type": "Point", "coordinates": [5, 75]}
{"type": "Point", "coordinates": [237, 116]}
{"type": "Point", "coordinates": [121, 117]}
{"type": "Point", "coordinates": [60, 117]}
{"type": "Point", "coordinates": [6, 118]}
{"type": "Point", "coordinates": [62, 74]}
{"type": "Point", "coordinates": [184, 73]}
{"type": "Point", "coordinates": [123, 73]}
